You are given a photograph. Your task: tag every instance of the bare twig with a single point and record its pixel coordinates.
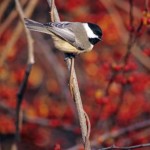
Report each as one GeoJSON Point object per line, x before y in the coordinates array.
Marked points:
{"type": "Point", "coordinates": [78, 102]}
{"type": "Point", "coordinates": [125, 60]}
{"type": "Point", "coordinates": [20, 96]}
{"type": "Point", "coordinates": [28, 70]}
{"type": "Point", "coordinates": [120, 27]}
{"type": "Point", "coordinates": [87, 141]}
{"type": "Point", "coordinates": [121, 132]}
{"type": "Point", "coordinates": [121, 31]}
{"type": "Point", "coordinates": [116, 134]}
{"type": "Point", "coordinates": [131, 42]}
{"type": "Point", "coordinates": [28, 34]}
{"type": "Point", "coordinates": [126, 148]}
{"type": "Point", "coordinates": [111, 80]}
{"type": "Point", "coordinates": [71, 76]}
{"type": "Point", "coordinates": [75, 88]}
{"type": "Point", "coordinates": [54, 9]}
{"type": "Point", "coordinates": [131, 33]}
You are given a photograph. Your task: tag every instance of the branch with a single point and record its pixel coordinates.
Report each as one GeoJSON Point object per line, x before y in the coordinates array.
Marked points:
{"type": "Point", "coordinates": [20, 96]}
{"type": "Point", "coordinates": [54, 12]}
{"type": "Point", "coordinates": [23, 86]}
{"type": "Point", "coordinates": [132, 39]}
{"type": "Point", "coordinates": [126, 148]}
{"type": "Point", "coordinates": [121, 132]}
{"type": "Point", "coordinates": [116, 134]}
{"type": "Point", "coordinates": [78, 102]}
{"type": "Point", "coordinates": [28, 34]}
{"type": "Point", "coordinates": [75, 88]}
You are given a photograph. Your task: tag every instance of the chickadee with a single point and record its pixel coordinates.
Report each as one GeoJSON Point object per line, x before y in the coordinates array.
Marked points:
{"type": "Point", "coordinates": [69, 37]}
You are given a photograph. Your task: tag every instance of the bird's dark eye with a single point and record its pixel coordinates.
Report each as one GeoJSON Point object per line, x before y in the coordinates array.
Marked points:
{"type": "Point", "coordinates": [93, 40]}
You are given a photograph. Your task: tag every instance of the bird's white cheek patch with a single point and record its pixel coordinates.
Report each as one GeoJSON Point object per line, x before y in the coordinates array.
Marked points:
{"type": "Point", "coordinates": [89, 31]}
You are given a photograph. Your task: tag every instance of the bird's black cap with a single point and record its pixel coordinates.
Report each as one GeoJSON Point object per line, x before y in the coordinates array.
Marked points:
{"type": "Point", "coordinates": [96, 29]}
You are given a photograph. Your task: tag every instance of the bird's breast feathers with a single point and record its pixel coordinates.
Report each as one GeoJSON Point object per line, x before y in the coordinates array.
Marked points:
{"type": "Point", "coordinates": [64, 46]}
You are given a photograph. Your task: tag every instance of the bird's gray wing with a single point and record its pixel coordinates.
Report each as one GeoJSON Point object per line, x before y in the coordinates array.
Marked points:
{"type": "Point", "coordinates": [63, 30]}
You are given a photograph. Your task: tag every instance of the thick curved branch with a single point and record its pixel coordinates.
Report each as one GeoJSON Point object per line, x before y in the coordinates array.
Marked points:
{"type": "Point", "coordinates": [75, 88]}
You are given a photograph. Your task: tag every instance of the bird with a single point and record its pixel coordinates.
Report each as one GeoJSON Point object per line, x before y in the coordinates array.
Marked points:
{"type": "Point", "coordinates": [69, 37]}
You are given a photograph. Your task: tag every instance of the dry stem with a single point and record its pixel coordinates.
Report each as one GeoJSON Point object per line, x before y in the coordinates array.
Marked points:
{"type": "Point", "coordinates": [28, 34]}
{"type": "Point", "coordinates": [75, 88]}
{"type": "Point", "coordinates": [126, 148]}
{"type": "Point", "coordinates": [28, 69]}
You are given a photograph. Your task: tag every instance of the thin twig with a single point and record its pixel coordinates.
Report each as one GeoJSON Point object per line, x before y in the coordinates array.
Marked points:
{"type": "Point", "coordinates": [125, 61]}
{"type": "Point", "coordinates": [131, 33]}
{"type": "Point", "coordinates": [28, 34]}
{"type": "Point", "coordinates": [87, 141]}
{"type": "Point", "coordinates": [20, 96]}
{"type": "Point", "coordinates": [55, 14]}
{"type": "Point", "coordinates": [78, 102]}
{"type": "Point", "coordinates": [131, 41]}
{"type": "Point", "coordinates": [23, 86]}
{"type": "Point", "coordinates": [71, 75]}
{"type": "Point", "coordinates": [118, 133]}
{"type": "Point", "coordinates": [126, 148]}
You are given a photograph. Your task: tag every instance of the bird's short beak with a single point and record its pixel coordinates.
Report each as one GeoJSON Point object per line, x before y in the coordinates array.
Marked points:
{"type": "Point", "coordinates": [100, 39]}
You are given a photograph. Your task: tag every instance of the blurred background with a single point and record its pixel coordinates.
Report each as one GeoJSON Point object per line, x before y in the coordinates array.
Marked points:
{"type": "Point", "coordinates": [114, 78]}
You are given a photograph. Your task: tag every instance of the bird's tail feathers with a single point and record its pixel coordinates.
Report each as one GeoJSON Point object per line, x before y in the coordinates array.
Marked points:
{"type": "Point", "coordinates": [35, 26]}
